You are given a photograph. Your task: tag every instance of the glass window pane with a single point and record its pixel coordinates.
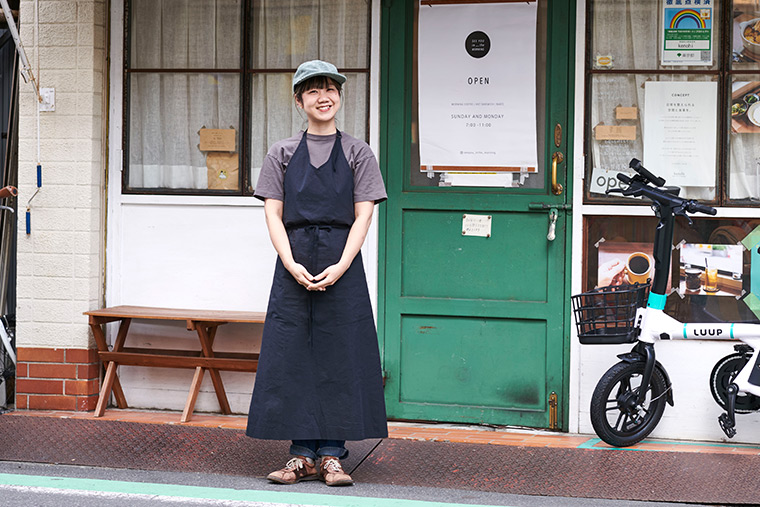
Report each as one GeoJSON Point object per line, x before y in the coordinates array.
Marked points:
{"type": "Point", "coordinates": [617, 102]}
{"type": "Point", "coordinates": [629, 35]}
{"type": "Point", "coordinates": [745, 36]}
{"type": "Point", "coordinates": [289, 32]}
{"type": "Point", "coordinates": [274, 115]}
{"type": "Point", "coordinates": [185, 34]}
{"type": "Point", "coordinates": [744, 138]}
{"type": "Point", "coordinates": [606, 234]}
{"type": "Point", "coordinates": [166, 113]}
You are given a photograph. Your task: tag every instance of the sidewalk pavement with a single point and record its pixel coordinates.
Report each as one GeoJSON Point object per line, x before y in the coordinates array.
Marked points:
{"type": "Point", "coordinates": [450, 457]}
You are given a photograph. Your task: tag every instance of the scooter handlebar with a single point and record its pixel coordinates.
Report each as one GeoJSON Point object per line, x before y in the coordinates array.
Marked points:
{"type": "Point", "coordinates": [695, 207]}
{"type": "Point", "coordinates": [635, 164]}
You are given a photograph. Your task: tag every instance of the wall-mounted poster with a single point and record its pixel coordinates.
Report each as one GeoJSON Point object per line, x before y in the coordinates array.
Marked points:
{"type": "Point", "coordinates": [477, 87]}
{"type": "Point", "coordinates": [623, 262]}
{"type": "Point", "coordinates": [680, 131]}
{"type": "Point", "coordinates": [713, 270]}
{"type": "Point", "coordinates": [687, 32]}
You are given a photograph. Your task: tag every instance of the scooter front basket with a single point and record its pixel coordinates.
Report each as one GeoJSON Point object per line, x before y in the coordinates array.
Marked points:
{"type": "Point", "coordinates": [606, 315]}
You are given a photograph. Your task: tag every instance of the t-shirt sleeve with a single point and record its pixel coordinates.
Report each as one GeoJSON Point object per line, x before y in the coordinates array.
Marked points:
{"type": "Point", "coordinates": [270, 183]}
{"type": "Point", "coordinates": [368, 182]}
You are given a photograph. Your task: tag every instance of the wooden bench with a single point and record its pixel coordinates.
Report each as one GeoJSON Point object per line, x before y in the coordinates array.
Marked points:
{"type": "Point", "coordinates": [204, 322]}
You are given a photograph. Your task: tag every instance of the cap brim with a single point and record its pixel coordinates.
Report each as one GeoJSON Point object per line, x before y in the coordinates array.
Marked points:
{"type": "Point", "coordinates": [338, 78]}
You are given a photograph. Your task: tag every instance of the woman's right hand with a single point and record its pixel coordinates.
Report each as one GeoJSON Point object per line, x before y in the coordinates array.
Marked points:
{"type": "Point", "coordinates": [301, 274]}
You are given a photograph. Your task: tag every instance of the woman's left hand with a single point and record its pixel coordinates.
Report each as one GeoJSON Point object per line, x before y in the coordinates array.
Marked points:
{"type": "Point", "coordinates": [328, 277]}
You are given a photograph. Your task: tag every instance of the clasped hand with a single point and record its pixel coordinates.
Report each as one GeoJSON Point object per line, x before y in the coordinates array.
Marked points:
{"type": "Point", "coordinates": [328, 277]}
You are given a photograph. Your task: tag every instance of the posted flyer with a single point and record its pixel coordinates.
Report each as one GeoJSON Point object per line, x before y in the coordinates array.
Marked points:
{"type": "Point", "coordinates": [680, 119]}
{"type": "Point", "coordinates": [477, 87]}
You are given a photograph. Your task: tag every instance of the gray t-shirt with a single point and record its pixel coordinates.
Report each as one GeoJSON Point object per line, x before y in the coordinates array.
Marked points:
{"type": "Point", "coordinates": [368, 182]}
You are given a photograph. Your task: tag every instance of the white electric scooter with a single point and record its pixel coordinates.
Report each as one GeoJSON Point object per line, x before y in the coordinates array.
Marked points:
{"type": "Point", "coordinates": [630, 398]}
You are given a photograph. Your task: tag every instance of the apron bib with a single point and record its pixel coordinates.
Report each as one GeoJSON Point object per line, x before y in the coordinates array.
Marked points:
{"type": "Point", "coordinates": [319, 373]}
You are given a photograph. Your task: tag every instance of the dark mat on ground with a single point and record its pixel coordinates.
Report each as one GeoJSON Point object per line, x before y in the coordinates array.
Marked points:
{"type": "Point", "coordinates": [687, 477]}
{"type": "Point", "coordinates": [175, 448]}
{"type": "Point", "coordinates": [712, 478]}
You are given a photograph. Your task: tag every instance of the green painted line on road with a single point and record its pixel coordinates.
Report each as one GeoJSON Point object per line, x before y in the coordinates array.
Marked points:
{"type": "Point", "coordinates": [591, 444]}
{"type": "Point", "coordinates": [199, 492]}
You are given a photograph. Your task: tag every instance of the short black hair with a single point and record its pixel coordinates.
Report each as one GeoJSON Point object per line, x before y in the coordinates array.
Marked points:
{"type": "Point", "coordinates": [320, 82]}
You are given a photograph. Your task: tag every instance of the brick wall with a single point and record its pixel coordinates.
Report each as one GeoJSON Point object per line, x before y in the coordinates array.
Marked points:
{"type": "Point", "coordinates": [60, 264]}
{"type": "Point", "coordinates": [57, 379]}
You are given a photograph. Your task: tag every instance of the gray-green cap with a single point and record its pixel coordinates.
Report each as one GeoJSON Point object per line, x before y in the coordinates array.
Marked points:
{"type": "Point", "coordinates": [315, 68]}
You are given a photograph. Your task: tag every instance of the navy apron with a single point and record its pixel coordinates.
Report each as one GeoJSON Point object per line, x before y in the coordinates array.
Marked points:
{"type": "Point", "coordinates": [319, 371]}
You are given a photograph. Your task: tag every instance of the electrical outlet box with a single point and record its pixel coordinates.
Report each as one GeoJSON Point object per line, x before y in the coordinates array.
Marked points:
{"type": "Point", "coordinates": [48, 99]}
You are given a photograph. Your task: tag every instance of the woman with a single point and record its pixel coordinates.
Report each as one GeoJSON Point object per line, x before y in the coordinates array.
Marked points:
{"type": "Point", "coordinates": [319, 381]}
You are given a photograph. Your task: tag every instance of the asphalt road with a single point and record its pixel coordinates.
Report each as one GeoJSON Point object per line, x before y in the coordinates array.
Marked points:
{"type": "Point", "coordinates": [44, 485]}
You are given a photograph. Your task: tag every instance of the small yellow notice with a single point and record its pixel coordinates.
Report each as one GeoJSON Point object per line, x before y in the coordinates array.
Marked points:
{"type": "Point", "coordinates": [217, 140]}
{"type": "Point", "coordinates": [615, 132]}
{"type": "Point", "coordinates": [476, 225]}
{"type": "Point", "coordinates": [626, 113]}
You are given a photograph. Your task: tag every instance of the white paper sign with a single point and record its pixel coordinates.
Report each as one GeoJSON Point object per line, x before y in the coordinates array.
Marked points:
{"type": "Point", "coordinates": [477, 85]}
{"type": "Point", "coordinates": [476, 225]}
{"type": "Point", "coordinates": [680, 129]}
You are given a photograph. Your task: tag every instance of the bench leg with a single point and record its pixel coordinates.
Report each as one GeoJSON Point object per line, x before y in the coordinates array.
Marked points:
{"type": "Point", "coordinates": [206, 336]}
{"type": "Point", "coordinates": [105, 391]}
{"type": "Point", "coordinates": [110, 381]}
{"type": "Point", "coordinates": [195, 388]}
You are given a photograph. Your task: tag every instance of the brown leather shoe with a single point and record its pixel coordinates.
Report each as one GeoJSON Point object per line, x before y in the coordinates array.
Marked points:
{"type": "Point", "coordinates": [331, 472]}
{"type": "Point", "coordinates": [297, 469]}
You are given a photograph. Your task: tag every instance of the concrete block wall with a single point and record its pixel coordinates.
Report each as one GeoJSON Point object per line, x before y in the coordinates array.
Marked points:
{"type": "Point", "coordinates": [60, 264]}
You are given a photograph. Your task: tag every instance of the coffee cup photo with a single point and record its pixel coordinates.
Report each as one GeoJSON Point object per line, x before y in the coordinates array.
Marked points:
{"type": "Point", "coordinates": [638, 267]}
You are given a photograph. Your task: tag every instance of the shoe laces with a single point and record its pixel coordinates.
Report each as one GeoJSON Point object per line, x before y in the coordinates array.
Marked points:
{"type": "Point", "coordinates": [333, 465]}
{"type": "Point", "coordinates": [294, 464]}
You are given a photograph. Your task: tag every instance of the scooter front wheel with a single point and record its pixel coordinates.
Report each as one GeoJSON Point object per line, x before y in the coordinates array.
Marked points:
{"type": "Point", "coordinates": [616, 415]}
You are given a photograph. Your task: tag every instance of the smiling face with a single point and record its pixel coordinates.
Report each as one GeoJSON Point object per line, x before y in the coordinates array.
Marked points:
{"type": "Point", "coordinates": [320, 99]}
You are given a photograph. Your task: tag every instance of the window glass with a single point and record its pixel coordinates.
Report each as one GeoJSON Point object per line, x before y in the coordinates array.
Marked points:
{"type": "Point", "coordinates": [744, 138]}
{"type": "Point", "coordinates": [185, 34]}
{"type": "Point", "coordinates": [617, 129]}
{"type": "Point", "coordinates": [630, 35]}
{"type": "Point", "coordinates": [645, 48]}
{"type": "Point", "coordinates": [186, 85]}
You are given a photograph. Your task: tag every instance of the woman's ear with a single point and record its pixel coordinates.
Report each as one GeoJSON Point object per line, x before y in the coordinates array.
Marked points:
{"type": "Point", "coordinates": [298, 101]}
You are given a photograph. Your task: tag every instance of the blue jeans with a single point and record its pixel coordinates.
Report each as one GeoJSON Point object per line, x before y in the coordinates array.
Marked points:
{"type": "Point", "coordinates": [317, 448]}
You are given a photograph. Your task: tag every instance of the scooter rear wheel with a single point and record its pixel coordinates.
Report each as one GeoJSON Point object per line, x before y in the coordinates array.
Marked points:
{"type": "Point", "coordinates": [616, 416]}
{"type": "Point", "coordinates": [724, 372]}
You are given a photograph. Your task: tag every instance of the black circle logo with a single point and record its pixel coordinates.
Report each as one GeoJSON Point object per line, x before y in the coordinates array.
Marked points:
{"type": "Point", "coordinates": [477, 44]}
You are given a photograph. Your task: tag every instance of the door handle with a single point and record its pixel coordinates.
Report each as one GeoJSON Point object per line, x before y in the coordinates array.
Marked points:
{"type": "Point", "coordinates": [557, 158]}
{"type": "Point", "coordinates": [552, 225]}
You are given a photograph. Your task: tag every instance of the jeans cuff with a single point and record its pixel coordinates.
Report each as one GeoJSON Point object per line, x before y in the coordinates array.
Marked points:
{"type": "Point", "coordinates": [298, 450]}
{"type": "Point", "coordinates": [338, 452]}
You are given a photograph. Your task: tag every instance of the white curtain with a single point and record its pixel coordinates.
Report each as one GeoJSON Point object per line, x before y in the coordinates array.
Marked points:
{"type": "Point", "coordinates": [289, 32]}
{"type": "Point", "coordinates": [168, 109]}
{"type": "Point", "coordinates": [630, 32]}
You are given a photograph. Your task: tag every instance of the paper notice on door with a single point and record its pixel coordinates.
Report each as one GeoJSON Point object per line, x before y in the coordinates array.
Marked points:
{"type": "Point", "coordinates": [476, 225]}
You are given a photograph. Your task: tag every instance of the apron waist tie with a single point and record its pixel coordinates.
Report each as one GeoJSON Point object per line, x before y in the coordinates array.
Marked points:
{"type": "Point", "coordinates": [313, 231]}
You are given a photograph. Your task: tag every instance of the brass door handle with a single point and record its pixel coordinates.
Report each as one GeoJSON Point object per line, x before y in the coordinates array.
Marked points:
{"type": "Point", "coordinates": [557, 158]}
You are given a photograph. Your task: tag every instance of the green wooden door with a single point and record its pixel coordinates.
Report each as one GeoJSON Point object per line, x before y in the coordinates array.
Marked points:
{"type": "Point", "coordinates": [475, 329]}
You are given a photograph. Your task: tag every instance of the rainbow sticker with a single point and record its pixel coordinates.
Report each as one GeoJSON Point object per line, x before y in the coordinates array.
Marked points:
{"type": "Point", "coordinates": [688, 18]}
{"type": "Point", "coordinates": [687, 36]}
